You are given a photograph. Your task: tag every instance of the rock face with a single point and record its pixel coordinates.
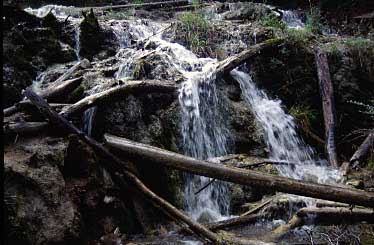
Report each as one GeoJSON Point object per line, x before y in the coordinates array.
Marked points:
{"type": "Point", "coordinates": [37, 207]}
{"type": "Point", "coordinates": [30, 44]}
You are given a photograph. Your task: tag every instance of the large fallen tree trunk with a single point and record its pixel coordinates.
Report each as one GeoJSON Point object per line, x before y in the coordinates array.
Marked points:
{"type": "Point", "coordinates": [362, 151]}
{"type": "Point", "coordinates": [131, 87]}
{"type": "Point", "coordinates": [140, 152]}
{"type": "Point", "coordinates": [327, 94]}
{"type": "Point", "coordinates": [61, 88]}
{"type": "Point", "coordinates": [323, 216]}
{"type": "Point", "coordinates": [24, 127]}
{"type": "Point", "coordinates": [115, 167]}
{"type": "Point", "coordinates": [232, 62]}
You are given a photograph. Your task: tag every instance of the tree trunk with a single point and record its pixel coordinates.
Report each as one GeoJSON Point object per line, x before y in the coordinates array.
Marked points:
{"type": "Point", "coordinates": [362, 151]}
{"type": "Point", "coordinates": [230, 63]}
{"type": "Point", "coordinates": [131, 87]}
{"type": "Point", "coordinates": [62, 88]}
{"type": "Point", "coordinates": [323, 216]}
{"type": "Point", "coordinates": [327, 94]}
{"type": "Point", "coordinates": [115, 167]}
{"type": "Point", "coordinates": [58, 87]}
{"type": "Point", "coordinates": [24, 127]}
{"type": "Point", "coordinates": [139, 152]}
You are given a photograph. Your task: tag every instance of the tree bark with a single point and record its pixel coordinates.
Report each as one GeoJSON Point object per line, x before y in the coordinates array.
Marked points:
{"type": "Point", "coordinates": [230, 63]}
{"type": "Point", "coordinates": [58, 87]}
{"type": "Point", "coordinates": [136, 151]}
{"type": "Point", "coordinates": [131, 87]}
{"type": "Point", "coordinates": [115, 166]}
{"type": "Point", "coordinates": [323, 216]}
{"type": "Point", "coordinates": [327, 94]}
{"type": "Point", "coordinates": [243, 220]}
{"type": "Point", "coordinates": [62, 88]}
{"type": "Point", "coordinates": [85, 63]}
{"type": "Point", "coordinates": [362, 151]}
{"type": "Point", "coordinates": [24, 127]}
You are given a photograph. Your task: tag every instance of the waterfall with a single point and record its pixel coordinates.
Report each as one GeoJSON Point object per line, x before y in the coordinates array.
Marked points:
{"type": "Point", "coordinates": [203, 128]}
{"type": "Point", "coordinates": [279, 133]}
{"type": "Point", "coordinates": [88, 117]}
{"type": "Point", "coordinates": [292, 19]}
{"type": "Point", "coordinates": [204, 136]}
{"type": "Point", "coordinates": [77, 44]}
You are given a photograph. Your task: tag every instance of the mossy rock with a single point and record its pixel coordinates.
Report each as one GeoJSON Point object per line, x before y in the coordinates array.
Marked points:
{"type": "Point", "coordinates": [91, 37]}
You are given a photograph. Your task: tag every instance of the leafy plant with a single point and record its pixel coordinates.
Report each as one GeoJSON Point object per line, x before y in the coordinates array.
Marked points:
{"type": "Point", "coordinates": [303, 114]}
{"type": "Point", "coordinates": [195, 29]}
{"type": "Point", "coordinates": [313, 21]}
{"type": "Point", "coordinates": [271, 20]}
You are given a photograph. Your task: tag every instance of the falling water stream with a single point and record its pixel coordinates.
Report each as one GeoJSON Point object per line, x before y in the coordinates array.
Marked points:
{"type": "Point", "coordinates": [204, 131]}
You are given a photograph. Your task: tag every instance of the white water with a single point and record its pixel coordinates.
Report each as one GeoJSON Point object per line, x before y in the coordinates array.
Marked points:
{"type": "Point", "coordinates": [88, 119]}
{"type": "Point", "coordinates": [279, 133]}
{"type": "Point", "coordinates": [77, 43]}
{"type": "Point", "coordinates": [292, 19]}
{"type": "Point", "coordinates": [203, 131]}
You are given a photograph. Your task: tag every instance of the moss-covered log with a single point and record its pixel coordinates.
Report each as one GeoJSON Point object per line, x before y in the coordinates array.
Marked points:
{"type": "Point", "coordinates": [140, 152]}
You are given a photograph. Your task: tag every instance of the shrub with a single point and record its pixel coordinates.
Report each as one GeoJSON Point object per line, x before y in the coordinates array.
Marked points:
{"type": "Point", "coordinates": [271, 20]}
{"type": "Point", "coordinates": [195, 30]}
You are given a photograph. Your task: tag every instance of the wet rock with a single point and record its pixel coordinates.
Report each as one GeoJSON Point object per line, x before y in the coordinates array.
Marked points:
{"type": "Point", "coordinates": [91, 35]}
{"type": "Point", "coordinates": [38, 209]}
{"type": "Point", "coordinates": [156, 66]}
{"type": "Point", "coordinates": [28, 47]}
{"type": "Point", "coordinates": [246, 11]}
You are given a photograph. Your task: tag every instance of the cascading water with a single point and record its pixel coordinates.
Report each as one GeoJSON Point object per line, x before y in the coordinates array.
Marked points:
{"type": "Point", "coordinates": [279, 133]}
{"type": "Point", "coordinates": [203, 130]}
{"type": "Point", "coordinates": [204, 136]}
{"type": "Point", "coordinates": [77, 44]}
{"type": "Point", "coordinates": [292, 19]}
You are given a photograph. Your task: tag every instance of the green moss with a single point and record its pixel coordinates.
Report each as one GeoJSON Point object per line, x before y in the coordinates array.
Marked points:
{"type": "Point", "coordinates": [77, 94]}
{"type": "Point", "coordinates": [142, 70]}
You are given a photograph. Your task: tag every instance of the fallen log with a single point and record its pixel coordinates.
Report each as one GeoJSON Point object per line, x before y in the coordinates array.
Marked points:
{"type": "Point", "coordinates": [362, 151]}
{"type": "Point", "coordinates": [243, 220]}
{"type": "Point", "coordinates": [61, 88]}
{"type": "Point", "coordinates": [139, 152]}
{"type": "Point", "coordinates": [327, 94]}
{"type": "Point", "coordinates": [24, 127]}
{"type": "Point", "coordinates": [258, 207]}
{"type": "Point", "coordinates": [56, 88]}
{"type": "Point", "coordinates": [85, 63]}
{"type": "Point", "coordinates": [115, 166]}
{"type": "Point", "coordinates": [230, 63]}
{"type": "Point", "coordinates": [323, 216]}
{"type": "Point", "coordinates": [131, 87]}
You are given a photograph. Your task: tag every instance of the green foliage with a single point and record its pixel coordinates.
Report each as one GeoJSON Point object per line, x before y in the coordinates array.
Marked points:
{"type": "Point", "coordinates": [371, 164]}
{"type": "Point", "coordinates": [271, 20]}
{"type": "Point", "coordinates": [298, 37]}
{"type": "Point", "coordinates": [303, 113]}
{"type": "Point", "coordinates": [357, 43]}
{"type": "Point", "coordinates": [313, 21]}
{"type": "Point", "coordinates": [195, 29]}
{"type": "Point", "coordinates": [117, 15]}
